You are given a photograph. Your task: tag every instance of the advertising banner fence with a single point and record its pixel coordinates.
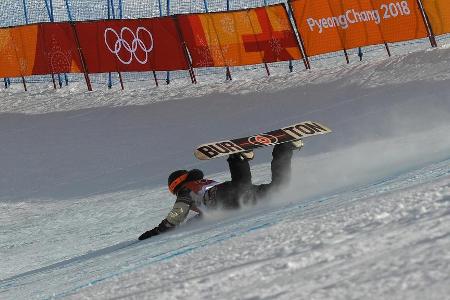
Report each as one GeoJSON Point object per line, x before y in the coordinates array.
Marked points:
{"type": "Point", "coordinates": [438, 12]}
{"type": "Point", "coordinates": [238, 38]}
{"type": "Point", "coordinates": [221, 39]}
{"type": "Point", "coordinates": [132, 45]}
{"type": "Point", "coordinates": [333, 25]}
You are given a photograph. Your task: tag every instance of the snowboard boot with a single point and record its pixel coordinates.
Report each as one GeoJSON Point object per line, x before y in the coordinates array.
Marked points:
{"type": "Point", "coordinates": [247, 155]}
{"type": "Point", "coordinates": [297, 145]}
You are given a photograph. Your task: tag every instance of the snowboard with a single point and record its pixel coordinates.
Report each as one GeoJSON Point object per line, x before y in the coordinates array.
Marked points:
{"type": "Point", "coordinates": [283, 135]}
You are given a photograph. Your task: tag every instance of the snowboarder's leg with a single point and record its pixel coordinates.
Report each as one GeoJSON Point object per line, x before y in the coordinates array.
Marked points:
{"type": "Point", "coordinates": [229, 193]}
{"type": "Point", "coordinates": [281, 164]}
{"type": "Point", "coordinates": [240, 170]}
{"type": "Point", "coordinates": [280, 167]}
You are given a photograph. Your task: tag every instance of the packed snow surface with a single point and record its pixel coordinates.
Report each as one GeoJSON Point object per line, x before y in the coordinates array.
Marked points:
{"type": "Point", "coordinates": [367, 215]}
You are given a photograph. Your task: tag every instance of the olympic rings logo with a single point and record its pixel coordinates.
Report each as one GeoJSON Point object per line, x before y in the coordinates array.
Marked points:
{"type": "Point", "coordinates": [131, 48]}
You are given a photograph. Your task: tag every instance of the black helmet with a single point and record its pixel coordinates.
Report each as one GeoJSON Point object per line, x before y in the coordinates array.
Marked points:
{"type": "Point", "coordinates": [179, 177]}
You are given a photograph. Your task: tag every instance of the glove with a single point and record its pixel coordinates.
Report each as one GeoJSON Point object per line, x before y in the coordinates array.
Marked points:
{"type": "Point", "coordinates": [162, 227]}
{"type": "Point", "coordinates": [149, 234]}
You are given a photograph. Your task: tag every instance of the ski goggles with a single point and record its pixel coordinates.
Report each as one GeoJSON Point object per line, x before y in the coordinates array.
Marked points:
{"type": "Point", "coordinates": [174, 184]}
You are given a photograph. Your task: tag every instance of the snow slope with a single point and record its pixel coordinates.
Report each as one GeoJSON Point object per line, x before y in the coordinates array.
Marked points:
{"type": "Point", "coordinates": [367, 214]}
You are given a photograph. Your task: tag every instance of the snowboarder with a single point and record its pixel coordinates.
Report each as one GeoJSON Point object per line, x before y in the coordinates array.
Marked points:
{"type": "Point", "coordinates": [194, 192]}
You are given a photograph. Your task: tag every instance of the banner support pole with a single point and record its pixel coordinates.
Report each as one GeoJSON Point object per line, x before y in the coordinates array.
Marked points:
{"type": "Point", "coordinates": [160, 14]}
{"type": "Point", "coordinates": [156, 79]}
{"type": "Point", "coordinates": [168, 14]}
{"type": "Point", "coordinates": [299, 40]}
{"type": "Point", "coordinates": [109, 81]}
{"type": "Point", "coordinates": [83, 61]}
{"type": "Point", "coordinates": [291, 66]}
{"type": "Point", "coordinates": [186, 52]}
{"type": "Point", "coordinates": [267, 69]}
{"type": "Point", "coordinates": [346, 56]}
{"type": "Point", "coordinates": [60, 81]}
{"type": "Point", "coordinates": [427, 23]}
{"type": "Point", "coordinates": [388, 50]}
{"type": "Point", "coordinates": [113, 13]}
{"type": "Point", "coordinates": [53, 80]}
{"type": "Point", "coordinates": [24, 84]}
{"type": "Point", "coordinates": [160, 8]}
{"type": "Point", "coordinates": [25, 12]}
{"type": "Point", "coordinates": [49, 10]}
{"type": "Point", "coordinates": [121, 81]}
{"type": "Point", "coordinates": [228, 73]}
{"type": "Point", "coordinates": [108, 5]}
{"type": "Point", "coordinates": [69, 14]}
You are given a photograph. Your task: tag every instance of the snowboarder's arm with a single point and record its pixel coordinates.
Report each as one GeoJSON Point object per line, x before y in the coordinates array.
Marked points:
{"type": "Point", "coordinates": [163, 226]}
{"type": "Point", "coordinates": [175, 217]}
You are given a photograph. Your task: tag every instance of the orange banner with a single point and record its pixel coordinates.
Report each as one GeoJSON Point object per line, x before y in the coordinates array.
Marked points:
{"type": "Point", "coordinates": [38, 49]}
{"type": "Point", "coordinates": [239, 37]}
{"type": "Point", "coordinates": [18, 50]}
{"type": "Point", "coordinates": [438, 12]}
{"type": "Point", "coordinates": [333, 25]}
